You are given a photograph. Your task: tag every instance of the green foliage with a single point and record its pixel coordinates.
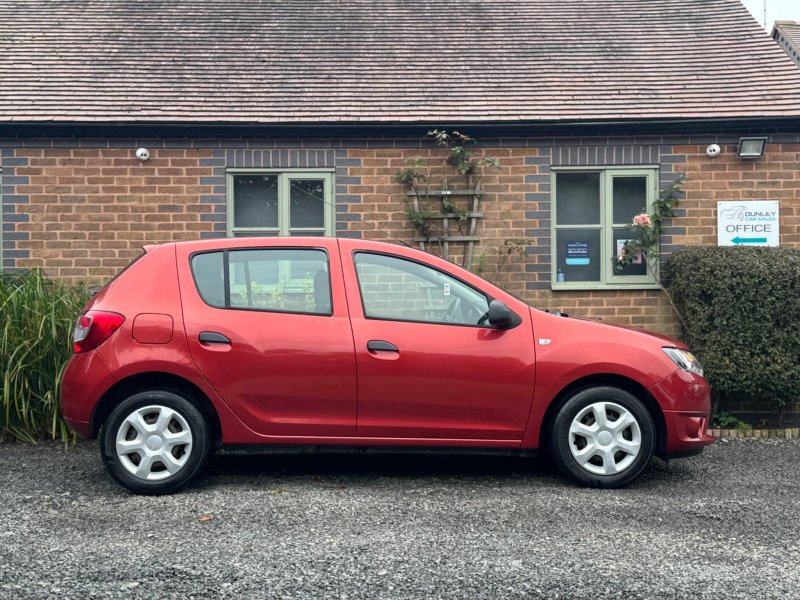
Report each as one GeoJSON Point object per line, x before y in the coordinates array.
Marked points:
{"type": "Point", "coordinates": [37, 317]}
{"type": "Point", "coordinates": [277, 296]}
{"type": "Point", "coordinates": [507, 255]}
{"type": "Point", "coordinates": [411, 176]}
{"type": "Point", "coordinates": [418, 178]}
{"type": "Point", "coordinates": [449, 207]}
{"type": "Point", "coordinates": [308, 292]}
{"type": "Point", "coordinates": [741, 315]}
{"type": "Point", "coordinates": [726, 420]}
{"type": "Point", "coordinates": [647, 227]}
{"type": "Point", "coordinates": [420, 220]}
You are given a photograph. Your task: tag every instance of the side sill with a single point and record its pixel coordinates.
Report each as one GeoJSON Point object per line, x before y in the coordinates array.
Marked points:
{"type": "Point", "coordinates": [344, 449]}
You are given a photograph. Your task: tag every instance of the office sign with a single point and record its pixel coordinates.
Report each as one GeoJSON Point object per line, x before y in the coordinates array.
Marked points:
{"type": "Point", "coordinates": [748, 223]}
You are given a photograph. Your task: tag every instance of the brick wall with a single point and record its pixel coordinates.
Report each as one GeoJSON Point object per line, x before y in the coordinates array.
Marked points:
{"type": "Point", "coordinates": [83, 213]}
{"type": "Point", "coordinates": [81, 208]}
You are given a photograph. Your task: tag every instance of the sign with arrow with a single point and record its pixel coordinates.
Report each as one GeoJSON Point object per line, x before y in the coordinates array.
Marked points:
{"type": "Point", "coordinates": [748, 223]}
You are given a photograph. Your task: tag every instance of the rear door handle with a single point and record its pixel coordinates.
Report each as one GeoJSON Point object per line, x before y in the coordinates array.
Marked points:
{"type": "Point", "coordinates": [381, 345]}
{"type": "Point", "coordinates": [212, 337]}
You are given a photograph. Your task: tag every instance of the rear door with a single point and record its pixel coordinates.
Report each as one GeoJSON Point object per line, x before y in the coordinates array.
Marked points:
{"type": "Point", "coordinates": [267, 325]}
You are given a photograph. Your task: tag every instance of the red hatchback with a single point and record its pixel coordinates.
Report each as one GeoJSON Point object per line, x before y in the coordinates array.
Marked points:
{"type": "Point", "coordinates": [346, 342]}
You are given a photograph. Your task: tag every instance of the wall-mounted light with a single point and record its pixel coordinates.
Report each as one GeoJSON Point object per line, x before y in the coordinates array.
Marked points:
{"type": "Point", "coordinates": [751, 147]}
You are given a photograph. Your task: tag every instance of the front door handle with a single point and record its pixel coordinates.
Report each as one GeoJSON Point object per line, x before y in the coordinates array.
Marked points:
{"type": "Point", "coordinates": [381, 345]}
{"type": "Point", "coordinates": [212, 337]}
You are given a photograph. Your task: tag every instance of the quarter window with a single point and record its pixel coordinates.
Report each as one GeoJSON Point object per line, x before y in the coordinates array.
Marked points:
{"type": "Point", "coordinates": [592, 214]}
{"type": "Point", "coordinates": [267, 203]}
{"type": "Point", "coordinates": [278, 280]}
{"type": "Point", "coordinates": [402, 290]}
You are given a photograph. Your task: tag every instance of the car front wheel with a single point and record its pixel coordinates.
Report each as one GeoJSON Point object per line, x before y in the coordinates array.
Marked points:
{"type": "Point", "coordinates": [155, 442]}
{"type": "Point", "coordinates": [603, 437]}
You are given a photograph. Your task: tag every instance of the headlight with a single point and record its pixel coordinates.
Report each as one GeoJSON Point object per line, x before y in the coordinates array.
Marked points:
{"type": "Point", "coordinates": [685, 360]}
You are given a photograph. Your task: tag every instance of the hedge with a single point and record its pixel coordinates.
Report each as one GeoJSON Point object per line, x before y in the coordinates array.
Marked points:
{"type": "Point", "coordinates": [37, 316]}
{"type": "Point", "coordinates": [740, 308]}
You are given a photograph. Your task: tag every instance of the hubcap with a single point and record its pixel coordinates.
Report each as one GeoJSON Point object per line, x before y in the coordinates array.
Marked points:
{"type": "Point", "coordinates": [605, 438]}
{"type": "Point", "coordinates": [154, 442]}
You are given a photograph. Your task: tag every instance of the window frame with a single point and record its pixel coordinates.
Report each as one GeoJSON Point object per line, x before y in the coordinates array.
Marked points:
{"type": "Point", "coordinates": [609, 279]}
{"type": "Point", "coordinates": [226, 280]}
{"type": "Point", "coordinates": [284, 177]}
{"type": "Point", "coordinates": [478, 291]}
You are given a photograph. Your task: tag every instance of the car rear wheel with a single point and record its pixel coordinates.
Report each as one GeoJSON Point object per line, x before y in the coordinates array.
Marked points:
{"type": "Point", "coordinates": [155, 442]}
{"type": "Point", "coordinates": [602, 437]}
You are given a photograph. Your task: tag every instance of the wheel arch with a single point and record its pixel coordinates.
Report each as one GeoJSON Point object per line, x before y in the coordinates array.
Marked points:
{"type": "Point", "coordinates": [612, 380]}
{"type": "Point", "coordinates": [155, 380]}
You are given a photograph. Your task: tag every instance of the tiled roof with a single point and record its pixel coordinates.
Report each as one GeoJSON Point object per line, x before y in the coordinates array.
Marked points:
{"type": "Point", "coordinates": [390, 61]}
{"type": "Point", "coordinates": [787, 34]}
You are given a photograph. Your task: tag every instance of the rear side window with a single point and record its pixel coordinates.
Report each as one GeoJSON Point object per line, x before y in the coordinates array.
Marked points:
{"type": "Point", "coordinates": [274, 279]}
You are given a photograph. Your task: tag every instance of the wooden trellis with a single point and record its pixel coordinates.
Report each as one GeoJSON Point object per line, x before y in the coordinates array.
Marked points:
{"type": "Point", "coordinates": [449, 220]}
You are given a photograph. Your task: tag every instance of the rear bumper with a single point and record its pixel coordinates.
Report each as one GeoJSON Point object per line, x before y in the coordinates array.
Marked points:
{"type": "Point", "coordinates": [685, 399]}
{"type": "Point", "coordinates": [82, 428]}
{"type": "Point", "coordinates": [85, 379]}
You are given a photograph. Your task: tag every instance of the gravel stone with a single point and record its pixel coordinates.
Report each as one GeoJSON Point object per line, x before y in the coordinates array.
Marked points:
{"type": "Point", "coordinates": [725, 524]}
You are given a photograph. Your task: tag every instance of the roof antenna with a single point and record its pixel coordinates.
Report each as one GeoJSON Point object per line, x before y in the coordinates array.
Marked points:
{"type": "Point", "coordinates": [765, 14]}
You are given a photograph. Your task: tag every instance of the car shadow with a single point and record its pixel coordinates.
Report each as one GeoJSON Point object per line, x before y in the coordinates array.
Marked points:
{"type": "Point", "coordinates": [247, 469]}
{"type": "Point", "coordinates": [370, 466]}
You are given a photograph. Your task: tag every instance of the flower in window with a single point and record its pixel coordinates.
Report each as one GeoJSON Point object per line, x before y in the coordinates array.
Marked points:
{"type": "Point", "coordinates": [642, 220]}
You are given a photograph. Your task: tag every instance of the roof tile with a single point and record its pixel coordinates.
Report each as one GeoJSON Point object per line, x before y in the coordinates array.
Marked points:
{"type": "Point", "coordinates": [787, 34]}
{"type": "Point", "coordinates": [406, 61]}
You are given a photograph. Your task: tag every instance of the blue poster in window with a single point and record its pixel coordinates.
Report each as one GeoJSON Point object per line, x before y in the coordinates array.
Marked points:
{"type": "Point", "coordinates": [577, 253]}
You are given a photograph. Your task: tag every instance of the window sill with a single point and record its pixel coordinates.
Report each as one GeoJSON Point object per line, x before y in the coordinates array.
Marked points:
{"type": "Point", "coordinates": [599, 287]}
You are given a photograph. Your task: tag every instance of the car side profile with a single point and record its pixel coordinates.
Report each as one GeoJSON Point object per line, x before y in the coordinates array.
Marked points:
{"type": "Point", "coordinates": [330, 341]}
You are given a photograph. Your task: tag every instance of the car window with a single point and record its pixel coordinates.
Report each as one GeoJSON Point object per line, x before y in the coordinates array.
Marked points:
{"type": "Point", "coordinates": [208, 277]}
{"type": "Point", "coordinates": [404, 290]}
{"type": "Point", "coordinates": [274, 279]}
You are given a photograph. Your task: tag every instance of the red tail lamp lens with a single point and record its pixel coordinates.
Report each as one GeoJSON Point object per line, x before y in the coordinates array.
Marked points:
{"type": "Point", "coordinates": [94, 328]}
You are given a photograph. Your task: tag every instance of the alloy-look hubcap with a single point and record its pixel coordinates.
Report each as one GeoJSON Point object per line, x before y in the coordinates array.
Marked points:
{"type": "Point", "coordinates": [605, 438]}
{"type": "Point", "coordinates": [154, 442]}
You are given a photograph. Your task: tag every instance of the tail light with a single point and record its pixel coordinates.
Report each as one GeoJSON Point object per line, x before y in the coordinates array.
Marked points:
{"type": "Point", "coordinates": [93, 328]}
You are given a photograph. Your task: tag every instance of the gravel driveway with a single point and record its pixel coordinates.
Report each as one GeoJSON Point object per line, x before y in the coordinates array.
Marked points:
{"type": "Point", "coordinates": [724, 524]}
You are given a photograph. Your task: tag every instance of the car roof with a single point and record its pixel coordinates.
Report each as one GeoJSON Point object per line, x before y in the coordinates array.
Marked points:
{"type": "Point", "coordinates": [271, 241]}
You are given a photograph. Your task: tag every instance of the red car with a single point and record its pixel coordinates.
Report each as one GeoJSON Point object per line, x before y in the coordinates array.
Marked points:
{"type": "Point", "coordinates": [311, 341]}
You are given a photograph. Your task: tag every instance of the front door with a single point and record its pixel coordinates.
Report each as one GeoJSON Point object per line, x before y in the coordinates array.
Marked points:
{"type": "Point", "coordinates": [429, 366]}
{"type": "Point", "coordinates": [268, 328]}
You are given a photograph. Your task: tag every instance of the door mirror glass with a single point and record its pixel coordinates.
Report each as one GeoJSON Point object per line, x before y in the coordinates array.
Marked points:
{"type": "Point", "coordinates": [501, 317]}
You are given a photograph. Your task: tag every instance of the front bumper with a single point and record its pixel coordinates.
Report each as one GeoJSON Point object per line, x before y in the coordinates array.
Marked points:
{"type": "Point", "coordinates": [686, 431]}
{"type": "Point", "coordinates": [685, 399]}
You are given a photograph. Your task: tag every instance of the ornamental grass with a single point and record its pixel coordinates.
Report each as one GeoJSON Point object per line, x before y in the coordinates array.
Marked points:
{"type": "Point", "coordinates": [37, 315]}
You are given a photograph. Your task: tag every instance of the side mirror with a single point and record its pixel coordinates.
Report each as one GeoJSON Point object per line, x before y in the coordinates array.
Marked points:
{"type": "Point", "coordinates": [501, 317]}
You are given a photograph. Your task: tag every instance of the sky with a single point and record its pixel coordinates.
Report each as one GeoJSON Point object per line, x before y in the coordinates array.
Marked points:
{"type": "Point", "coordinates": [777, 10]}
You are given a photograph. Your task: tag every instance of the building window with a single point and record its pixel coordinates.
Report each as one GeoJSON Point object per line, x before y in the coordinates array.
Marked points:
{"type": "Point", "coordinates": [592, 214]}
{"type": "Point", "coordinates": [271, 203]}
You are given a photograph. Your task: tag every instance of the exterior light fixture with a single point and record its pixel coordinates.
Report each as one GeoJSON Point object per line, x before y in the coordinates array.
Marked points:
{"type": "Point", "coordinates": [751, 147]}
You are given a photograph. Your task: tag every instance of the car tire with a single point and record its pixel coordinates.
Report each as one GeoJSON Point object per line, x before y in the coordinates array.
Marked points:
{"type": "Point", "coordinates": [155, 442]}
{"type": "Point", "coordinates": [602, 437]}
